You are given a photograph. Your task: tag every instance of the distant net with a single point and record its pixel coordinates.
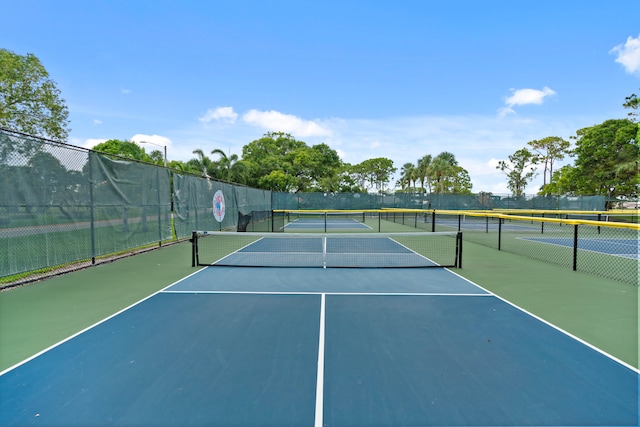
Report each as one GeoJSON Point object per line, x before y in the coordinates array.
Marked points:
{"type": "Point", "coordinates": [314, 221]}
{"type": "Point", "coordinates": [343, 250]}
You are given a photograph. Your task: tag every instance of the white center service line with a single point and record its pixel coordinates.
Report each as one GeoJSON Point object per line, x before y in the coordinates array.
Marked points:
{"type": "Point", "coordinates": [320, 377]}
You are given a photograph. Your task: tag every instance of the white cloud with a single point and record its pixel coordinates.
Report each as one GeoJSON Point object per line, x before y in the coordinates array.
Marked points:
{"type": "Point", "coordinates": [478, 142]}
{"type": "Point", "coordinates": [524, 97]}
{"type": "Point", "coordinates": [89, 143]}
{"type": "Point", "coordinates": [221, 113]}
{"type": "Point", "coordinates": [493, 163]}
{"type": "Point", "coordinates": [528, 96]}
{"type": "Point", "coordinates": [97, 122]}
{"type": "Point", "coordinates": [125, 91]}
{"type": "Point", "coordinates": [154, 142]}
{"type": "Point", "coordinates": [278, 122]}
{"type": "Point", "coordinates": [628, 54]}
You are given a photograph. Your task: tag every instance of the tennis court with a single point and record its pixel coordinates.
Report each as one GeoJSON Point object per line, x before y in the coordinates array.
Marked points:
{"type": "Point", "coordinates": [315, 224]}
{"type": "Point", "coordinates": [297, 221]}
{"type": "Point", "coordinates": [625, 248]}
{"type": "Point", "coordinates": [296, 346]}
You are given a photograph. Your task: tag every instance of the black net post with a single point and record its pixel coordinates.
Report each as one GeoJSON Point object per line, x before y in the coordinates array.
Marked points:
{"type": "Point", "coordinates": [91, 210]}
{"type": "Point", "coordinates": [194, 248]}
{"type": "Point", "coordinates": [575, 247]}
{"type": "Point", "coordinates": [458, 262]}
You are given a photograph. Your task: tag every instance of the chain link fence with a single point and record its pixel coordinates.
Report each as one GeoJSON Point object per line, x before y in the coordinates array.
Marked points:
{"type": "Point", "coordinates": [606, 248]}
{"type": "Point", "coordinates": [480, 201]}
{"type": "Point", "coordinates": [64, 208]}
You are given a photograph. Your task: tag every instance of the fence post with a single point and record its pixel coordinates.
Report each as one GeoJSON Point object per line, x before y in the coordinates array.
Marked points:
{"type": "Point", "coordinates": [159, 207]}
{"type": "Point", "coordinates": [575, 247]}
{"type": "Point", "coordinates": [91, 209]}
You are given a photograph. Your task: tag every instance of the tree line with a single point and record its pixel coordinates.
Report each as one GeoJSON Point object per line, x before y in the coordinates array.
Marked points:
{"type": "Point", "coordinates": [277, 161]}
{"type": "Point", "coordinates": [606, 160]}
{"type": "Point", "coordinates": [440, 174]}
{"type": "Point", "coordinates": [606, 154]}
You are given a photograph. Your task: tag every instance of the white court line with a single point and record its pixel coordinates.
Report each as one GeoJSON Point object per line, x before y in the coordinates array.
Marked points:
{"type": "Point", "coordinates": [320, 376]}
{"type": "Point", "coordinates": [97, 323]}
{"type": "Point", "coordinates": [238, 250]}
{"type": "Point", "coordinates": [488, 294]}
{"type": "Point", "coordinates": [557, 328]}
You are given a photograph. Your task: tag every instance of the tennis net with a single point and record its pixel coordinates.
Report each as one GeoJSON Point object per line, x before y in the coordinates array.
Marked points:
{"type": "Point", "coordinates": [348, 250]}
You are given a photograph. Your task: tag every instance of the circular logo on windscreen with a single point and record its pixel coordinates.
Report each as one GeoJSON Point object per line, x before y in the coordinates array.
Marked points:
{"type": "Point", "coordinates": [218, 206]}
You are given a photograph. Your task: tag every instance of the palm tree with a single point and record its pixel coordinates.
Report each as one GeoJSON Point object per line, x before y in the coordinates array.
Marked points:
{"type": "Point", "coordinates": [407, 173]}
{"type": "Point", "coordinates": [424, 171]}
{"type": "Point", "coordinates": [442, 169]}
{"type": "Point", "coordinates": [229, 168]}
{"type": "Point", "coordinates": [202, 164]}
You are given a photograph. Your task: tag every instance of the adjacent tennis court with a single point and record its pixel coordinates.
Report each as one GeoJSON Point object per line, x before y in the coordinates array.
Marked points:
{"type": "Point", "coordinates": [336, 221]}
{"type": "Point", "coordinates": [625, 248]}
{"type": "Point", "coordinates": [296, 346]}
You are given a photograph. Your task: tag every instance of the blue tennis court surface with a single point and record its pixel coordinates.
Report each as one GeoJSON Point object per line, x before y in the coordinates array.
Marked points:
{"type": "Point", "coordinates": [626, 248]}
{"type": "Point", "coordinates": [321, 347]}
{"type": "Point", "coordinates": [336, 250]}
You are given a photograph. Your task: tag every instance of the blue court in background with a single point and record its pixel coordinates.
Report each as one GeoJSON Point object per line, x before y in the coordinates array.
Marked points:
{"type": "Point", "coordinates": [321, 347]}
{"type": "Point", "coordinates": [320, 223]}
{"type": "Point", "coordinates": [626, 248]}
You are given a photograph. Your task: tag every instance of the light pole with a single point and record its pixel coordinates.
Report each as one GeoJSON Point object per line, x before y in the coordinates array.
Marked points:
{"type": "Point", "coordinates": [158, 145]}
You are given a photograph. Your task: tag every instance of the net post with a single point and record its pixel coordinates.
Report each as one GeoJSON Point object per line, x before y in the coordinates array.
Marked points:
{"type": "Point", "coordinates": [459, 250]}
{"type": "Point", "coordinates": [499, 233]}
{"type": "Point", "coordinates": [194, 247]}
{"type": "Point", "coordinates": [433, 221]}
{"type": "Point", "coordinates": [325, 222]}
{"type": "Point", "coordinates": [324, 251]}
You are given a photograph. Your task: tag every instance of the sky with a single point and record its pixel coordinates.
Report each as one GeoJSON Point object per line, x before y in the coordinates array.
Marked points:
{"type": "Point", "coordinates": [394, 79]}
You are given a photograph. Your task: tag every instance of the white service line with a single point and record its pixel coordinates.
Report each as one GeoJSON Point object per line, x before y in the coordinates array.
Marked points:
{"type": "Point", "coordinates": [320, 376]}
